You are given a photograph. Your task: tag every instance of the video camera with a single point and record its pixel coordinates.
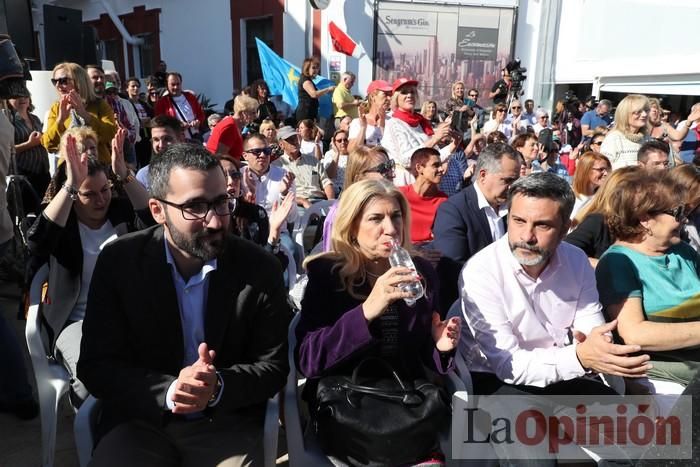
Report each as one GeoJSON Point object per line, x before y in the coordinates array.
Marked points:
{"type": "Point", "coordinates": [516, 72]}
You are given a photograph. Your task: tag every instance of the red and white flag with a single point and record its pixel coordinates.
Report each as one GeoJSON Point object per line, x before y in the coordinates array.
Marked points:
{"type": "Point", "coordinates": [343, 43]}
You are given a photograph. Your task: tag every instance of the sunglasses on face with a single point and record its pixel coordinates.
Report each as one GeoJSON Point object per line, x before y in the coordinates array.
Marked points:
{"type": "Point", "coordinates": [596, 143]}
{"type": "Point", "coordinates": [384, 168]}
{"type": "Point", "coordinates": [62, 81]}
{"type": "Point", "coordinates": [544, 118]}
{"type": "Point", "coordinates": [678, 213]}
{"type": "Point", "coordinates": [343, 140]}
{"type": "Point", "coordinates": [515, 108]}
{"type": "Point", "coordinates": [498, 111]}
{"type": "Point", "coordinates": [257, 151]}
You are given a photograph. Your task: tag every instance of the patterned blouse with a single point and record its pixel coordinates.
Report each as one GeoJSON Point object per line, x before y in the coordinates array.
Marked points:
{"type": "Point", "coordinates": [34, 160]}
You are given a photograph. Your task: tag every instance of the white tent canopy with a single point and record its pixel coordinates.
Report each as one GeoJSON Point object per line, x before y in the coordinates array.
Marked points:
{"type": "Point", "coordinates": [681, 85]}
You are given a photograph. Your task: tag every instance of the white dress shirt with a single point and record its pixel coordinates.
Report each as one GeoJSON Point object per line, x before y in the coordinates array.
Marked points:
{"type": "Point", "coordinates": [267, 190]}
{"type": "Point", "coordinates": [522, 328]}
{"type": "Point", "coordinates": [496, 224]}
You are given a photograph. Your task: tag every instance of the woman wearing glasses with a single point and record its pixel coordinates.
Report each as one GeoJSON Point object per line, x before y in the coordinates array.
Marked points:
{"type": "Point", "coordinates": [77, 105]}
{"type": "Point", "coordinates": [591, 171]}
{"type": "Point", "coordinates": [542, 121]}
{"type": "Point", "coordinates": [630, 131]}
{"type": "Point", "coordinates": [408, 130]}
{"type": "Point", "coordinates": [498, 122]}
{"type": "Point", "coordinates": [648, 279]}
{"type": "Point", "coordinates": [81, 217]}
{"type": "Point", "coordinates": [364, 163]}
{"type": "Point", "coordinates": [336, 159]}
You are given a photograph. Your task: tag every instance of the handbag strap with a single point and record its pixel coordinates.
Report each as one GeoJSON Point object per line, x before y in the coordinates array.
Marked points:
{"type": "Point", "coordinates": [384, 364]}
{"type": "Point", "coordinates": [404, 396]}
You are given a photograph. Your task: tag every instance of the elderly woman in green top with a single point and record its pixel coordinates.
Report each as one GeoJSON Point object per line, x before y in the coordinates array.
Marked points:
{"type": "Point", "coordinates": [648, 279]}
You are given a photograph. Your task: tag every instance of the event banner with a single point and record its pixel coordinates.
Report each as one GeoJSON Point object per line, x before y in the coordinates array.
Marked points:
{"type": "Point", "coordinates": [441, 44]}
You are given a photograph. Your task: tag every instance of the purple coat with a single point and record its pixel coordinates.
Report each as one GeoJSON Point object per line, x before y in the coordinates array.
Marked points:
{"type": "Point", "coordinates": [333, 335]}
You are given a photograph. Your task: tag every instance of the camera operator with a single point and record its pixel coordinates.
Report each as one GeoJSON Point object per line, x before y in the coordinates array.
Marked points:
{"type": "Point", "coordinates": [501, 88]}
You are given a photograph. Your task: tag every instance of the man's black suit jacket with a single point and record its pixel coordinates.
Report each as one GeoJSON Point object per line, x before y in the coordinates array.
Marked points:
{"type": "Point", "coordinates": [460, 230]}
{"type": "Point", "coordinates": [133, 349]}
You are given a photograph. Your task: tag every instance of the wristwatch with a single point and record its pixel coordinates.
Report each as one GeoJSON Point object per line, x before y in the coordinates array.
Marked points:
{"type": "Point", "coordinates": [126, 180]}
{"type": "Point", "coordinates": [72, 191]}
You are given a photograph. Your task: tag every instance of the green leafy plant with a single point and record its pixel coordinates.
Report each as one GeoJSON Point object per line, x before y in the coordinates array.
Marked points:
{"type": "Point", "coordinates": [206, 104]}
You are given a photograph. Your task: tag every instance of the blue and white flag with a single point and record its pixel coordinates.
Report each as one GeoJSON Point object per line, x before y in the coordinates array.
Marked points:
{"type": "Point", "coordinates": [283, 79]}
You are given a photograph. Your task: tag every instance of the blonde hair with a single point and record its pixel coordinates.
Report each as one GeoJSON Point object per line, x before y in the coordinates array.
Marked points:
{"type": "Point", "coordinates": [245, 104]}
{"type": "Point", "coordinates": [267, 124]}
{"type": "Point", "coordinates": [359, 161]}
{"type": "Point", "coordinates": [454, 85]}
{"type": "Point", "coordinates": [349, 260]}
{"type": "Point", "coordinates": [627, 106]}
{"type": "Point", "coordinates": [394, 101]}
{"type": "Point", "coordinates": [81, 80]}
{"type": "Point", "coordinates": [80, 134]}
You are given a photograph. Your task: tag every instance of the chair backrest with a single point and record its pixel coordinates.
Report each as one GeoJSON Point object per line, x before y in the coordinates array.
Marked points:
{"type": "Point", "coordinates": [320, 209]}
{"type": "Point", "coordinates": [32, 329]}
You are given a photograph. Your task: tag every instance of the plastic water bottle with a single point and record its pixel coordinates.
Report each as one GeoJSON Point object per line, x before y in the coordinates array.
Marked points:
{"type": "Point", "coordinates": [400, 257]}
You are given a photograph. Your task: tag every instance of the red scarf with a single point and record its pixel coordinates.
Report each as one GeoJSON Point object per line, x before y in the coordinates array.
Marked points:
{"type": "Point", "coordinates": [413, 119]}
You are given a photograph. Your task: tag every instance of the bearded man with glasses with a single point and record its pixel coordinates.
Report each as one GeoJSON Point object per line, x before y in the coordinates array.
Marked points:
{"type": "Point", "coordinates": [184, 357]}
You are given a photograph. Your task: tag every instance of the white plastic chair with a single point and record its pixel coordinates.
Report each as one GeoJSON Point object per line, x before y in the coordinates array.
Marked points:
{"type": "Point", "coordinates": [84, 427]}
{"type": "Point", "coordinates": [52, 379]}
{"type": "Point", "coordinates": [320, 209]}
{"type": "Point", "coordinates": [302, 452]}
{"type": "Point", "coordinates": [86, 419]}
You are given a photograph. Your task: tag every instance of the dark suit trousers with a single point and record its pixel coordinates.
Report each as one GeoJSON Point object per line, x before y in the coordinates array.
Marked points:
{"type": "Point", "coordinates": [225, 440]}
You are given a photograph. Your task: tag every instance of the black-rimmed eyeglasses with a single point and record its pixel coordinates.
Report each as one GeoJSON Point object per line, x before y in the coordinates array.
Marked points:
{"type": "Point", "coordinates": [385, 168]}
{"type": "Point", "coordinates": [198, 210]}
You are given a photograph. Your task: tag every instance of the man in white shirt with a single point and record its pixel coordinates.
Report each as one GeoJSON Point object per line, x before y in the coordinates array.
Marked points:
{"type": "Point", "coordinates": [474, 217]}
{"type": "Point", "coordinates": [531, 304]}
{"type": "Point", "coordinates": [265, 185]}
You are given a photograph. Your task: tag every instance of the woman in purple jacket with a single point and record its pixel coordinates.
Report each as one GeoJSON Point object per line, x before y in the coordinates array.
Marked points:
{"type": "Point", "coordinates": [353, 307]}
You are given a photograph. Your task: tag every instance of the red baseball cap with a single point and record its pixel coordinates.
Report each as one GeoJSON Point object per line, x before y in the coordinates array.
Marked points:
{"type": "Point", "coordinates": [378, 85]}
{"type": "Point", "coordinates": [403, 82]}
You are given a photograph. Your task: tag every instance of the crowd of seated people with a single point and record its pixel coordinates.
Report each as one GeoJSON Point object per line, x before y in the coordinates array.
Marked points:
{"type": "Point", "coordinates": [559, 273]}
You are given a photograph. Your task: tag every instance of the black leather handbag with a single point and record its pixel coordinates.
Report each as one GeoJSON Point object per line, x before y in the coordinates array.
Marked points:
{"type": "Point", "coordinates": [378, 420]}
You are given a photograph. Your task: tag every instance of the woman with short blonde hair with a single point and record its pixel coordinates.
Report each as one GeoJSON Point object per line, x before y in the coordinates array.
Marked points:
{"type": "Point", "coordinates": [630, 131]}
